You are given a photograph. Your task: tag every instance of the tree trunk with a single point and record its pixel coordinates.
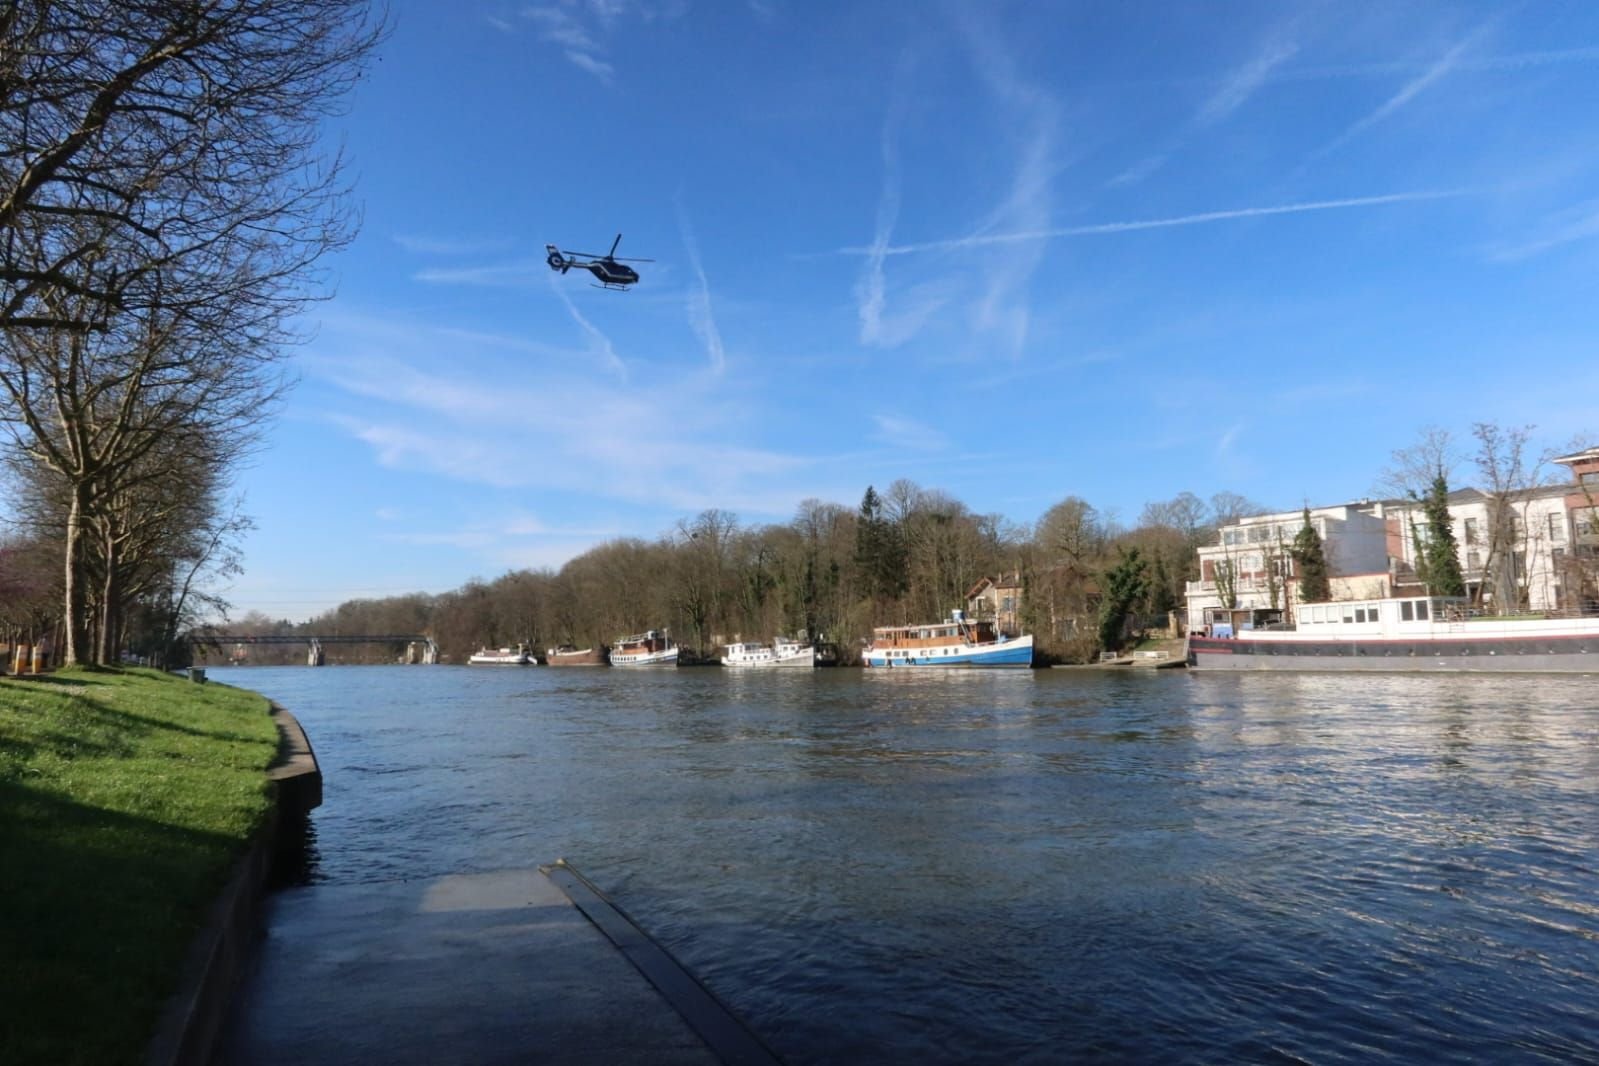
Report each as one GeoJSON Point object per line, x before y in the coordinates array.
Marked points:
{"type": "Point", "coordinates": [77, 630]}
{"type": "Point", "coordinates": [110, 602]}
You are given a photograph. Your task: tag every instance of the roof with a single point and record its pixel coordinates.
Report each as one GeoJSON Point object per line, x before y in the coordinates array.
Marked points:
{"type": "Point", "coordinates": [1012, 580]}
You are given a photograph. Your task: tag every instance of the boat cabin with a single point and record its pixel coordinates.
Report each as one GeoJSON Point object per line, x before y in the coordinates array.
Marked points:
{"type": "Point", "coordinates": [1230, 621]}
{"type": "Point", "coordinates": [650, 641]}
{"type": "Point", "coordinates": [958, 630]}
{"type": "Point", "coordinates": [1321, 616]}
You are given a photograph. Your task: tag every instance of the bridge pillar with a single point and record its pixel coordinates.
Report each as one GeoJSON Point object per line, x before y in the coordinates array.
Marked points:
{"type": "Point", "coordinates": [315, 658]}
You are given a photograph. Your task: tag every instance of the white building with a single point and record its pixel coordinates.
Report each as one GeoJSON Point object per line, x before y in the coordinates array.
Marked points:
{"type": "Point", "coordinates": [1534, 550]}
{"type": "Point", "coordinates": [1252, 556]}
{"type": "Point", "coordinates": [1511, 550]}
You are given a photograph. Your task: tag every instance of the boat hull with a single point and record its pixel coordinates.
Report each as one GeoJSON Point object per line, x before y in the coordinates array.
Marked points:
{"type": "Point", "coordinates": [1012, 653]}
{"type": "Point", "coordinates": [499, 659]}
{"type": "Point", "coordinates": [645, 658]}
{"type": "Point", "coordinates": [585, 657]}
{"type": "Point", "coordinates": [1543, 654]}
{"type": "Point", "coordinates": [802, 660]}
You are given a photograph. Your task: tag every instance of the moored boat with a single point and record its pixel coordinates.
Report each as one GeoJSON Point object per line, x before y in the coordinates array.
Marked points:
{"type": "Point", "coordinates": [780, 653]}
{"type": "Point", "coordinates": [517, 656]}
{"type": "Point", "coordinates": [1420, 633]}
{"type": "Point", "coordinates": [957, 642]}
{"type": "Point", "coordinates": [645, 649]}
{"type": "Point", "coordinates": [566, 655]}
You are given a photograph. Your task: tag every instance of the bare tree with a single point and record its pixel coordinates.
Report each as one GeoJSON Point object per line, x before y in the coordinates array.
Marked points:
{"type": "Point", "coordinates": [1411, 470]}
{"type": "Point", "coordinates": [165, 204]}
{"type": "Point", "coordinates": [1508, 473]}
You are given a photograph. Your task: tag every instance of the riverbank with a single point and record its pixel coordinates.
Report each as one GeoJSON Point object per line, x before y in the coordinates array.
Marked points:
{"type": "Point", "coordinates": [125, 799]}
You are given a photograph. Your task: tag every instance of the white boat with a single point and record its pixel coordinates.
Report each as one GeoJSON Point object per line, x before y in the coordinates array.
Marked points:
{"type": "Point", "coordinates": [645, 649]}
{"type": "Point", "coordinates": [780, 653]}
{"type": "Point", "coordinates": [1418, 633]}
{"type": "Point", "coordinates": [517, 656]}
{"type": "Point", "coordinates": [957, 642]}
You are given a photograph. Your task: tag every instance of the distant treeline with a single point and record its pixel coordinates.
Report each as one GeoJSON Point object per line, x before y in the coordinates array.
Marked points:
{"type": "Point", "coordinates": [908, 554]}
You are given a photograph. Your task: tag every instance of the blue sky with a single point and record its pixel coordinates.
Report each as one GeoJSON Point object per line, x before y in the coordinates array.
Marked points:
{"type": "Point", "coordinates": [1014, 251]}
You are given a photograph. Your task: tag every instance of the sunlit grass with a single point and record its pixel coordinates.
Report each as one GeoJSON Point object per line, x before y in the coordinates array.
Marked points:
{"type": "Point", "coordinates": [125, 796]}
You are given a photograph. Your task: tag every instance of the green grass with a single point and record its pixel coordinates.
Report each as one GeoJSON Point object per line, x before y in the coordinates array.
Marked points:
{"type": "Point", "coordinates": [125, 797]}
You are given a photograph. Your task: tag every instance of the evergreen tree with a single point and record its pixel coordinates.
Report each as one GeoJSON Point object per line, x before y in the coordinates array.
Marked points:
{"type": "Point", "coordinates": [1161, 598]}
{"type": "Point", "coordinates": [1440, 554]}
{"type": "Point", "coordinates": [1125, 584]}
{"type": "Point", "coordinates": [1311, 559]}
{"type": "Point", "coordinates": [879, 550]}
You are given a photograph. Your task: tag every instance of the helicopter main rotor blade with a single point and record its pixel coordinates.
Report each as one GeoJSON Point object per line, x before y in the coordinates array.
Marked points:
{"type": "Point", "coordinates": [624, 259]}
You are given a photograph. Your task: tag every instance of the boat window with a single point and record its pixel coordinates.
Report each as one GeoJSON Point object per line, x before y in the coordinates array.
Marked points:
{"type": "Point", "coordinates": [1407, 612]}
{"type": "Point", "coordinates": [1421, 610]}
{"type": "Point", "coordinates": [1349, 614]}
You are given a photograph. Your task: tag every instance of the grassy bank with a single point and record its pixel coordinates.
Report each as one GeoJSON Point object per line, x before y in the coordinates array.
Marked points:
{"type": "Point", "coordinates": [124, 798]}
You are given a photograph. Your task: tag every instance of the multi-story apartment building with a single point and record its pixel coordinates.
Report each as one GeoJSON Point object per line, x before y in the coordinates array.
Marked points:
{"type": "Point", "coordinates": [1535, 549]}
{"type": "Point", "coordinates": [1250, 566]}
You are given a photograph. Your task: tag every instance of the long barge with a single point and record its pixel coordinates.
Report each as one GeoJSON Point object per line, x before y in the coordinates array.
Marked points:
{"type": "Point", "coordinates": [1405, 634]}
{"type": "Point", "coordinates": [956, 642]}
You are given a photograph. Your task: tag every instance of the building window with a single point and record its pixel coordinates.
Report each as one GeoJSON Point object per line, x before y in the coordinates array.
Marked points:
{"type": "Point", "coordinates": [1589, 479]}
{"type": "Point", "coordinates": [1557, 529]}
{"type": "Point", "coordinates": [1474, 560]}
{"type": "Point", "coordinates": [1471, 531]}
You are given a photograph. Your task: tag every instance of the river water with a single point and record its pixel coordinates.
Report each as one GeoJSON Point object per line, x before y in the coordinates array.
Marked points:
{"type": "Point", "coordinates": [1022, 866]}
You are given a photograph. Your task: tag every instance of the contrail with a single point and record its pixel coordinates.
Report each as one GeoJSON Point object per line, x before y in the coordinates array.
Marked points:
{"type": "Point", "coordinates": [958, 243]}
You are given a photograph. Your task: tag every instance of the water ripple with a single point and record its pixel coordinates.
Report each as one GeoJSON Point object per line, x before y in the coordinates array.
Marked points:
{"type": "Point", "coordinates": [1024, 867]}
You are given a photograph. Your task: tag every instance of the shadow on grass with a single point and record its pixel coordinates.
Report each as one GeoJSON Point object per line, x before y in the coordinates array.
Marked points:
{"type": "Point", "coordinates": [100, 907]}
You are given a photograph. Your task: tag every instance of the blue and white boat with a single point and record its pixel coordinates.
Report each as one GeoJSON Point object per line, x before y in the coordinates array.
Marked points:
{"type": "Point", "coordinates": [957, 642]}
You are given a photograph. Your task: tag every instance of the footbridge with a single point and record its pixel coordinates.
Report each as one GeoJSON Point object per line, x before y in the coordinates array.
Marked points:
{"type": "Point", "coordinates": [418, 649]}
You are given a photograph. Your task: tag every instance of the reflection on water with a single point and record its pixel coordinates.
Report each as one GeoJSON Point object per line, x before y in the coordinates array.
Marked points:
{"type": "Point", "coordinates": [1022, 866]}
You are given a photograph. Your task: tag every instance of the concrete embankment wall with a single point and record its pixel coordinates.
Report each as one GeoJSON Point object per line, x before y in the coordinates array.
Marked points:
{"type": "Point", "coordinates": [192, 1020]}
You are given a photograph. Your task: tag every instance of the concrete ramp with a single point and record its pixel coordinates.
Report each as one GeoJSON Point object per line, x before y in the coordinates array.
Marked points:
{"type": "Point", "coordinates": [473, 968]}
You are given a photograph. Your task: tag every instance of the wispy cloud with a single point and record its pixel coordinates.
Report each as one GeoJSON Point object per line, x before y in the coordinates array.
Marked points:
{"type": "Point", "coordinates": [981, 239]}
{"type": "Point", "coordinates": [899, 432]}
{"type": "Point", "coordinates": [1234, 91]}
{"type": "Point", "coordinates": [447, 246]}
{"type": "Point", "coordinates": [426, 402]}
{"type": "Point", "coordinates": [1032, 116]}
{"type": "Point", "coordinates": [562, 26]}
{"type": "Point", "coordinates": [1441, 68]}
{"type": "Point", "coordinates": [499, 275]}
{"type": "Point", "coordinates": [1244, 82]}
{"type": "Point", "coordinates": [1577, 223]}
{"type": "Point", "coordinates": [1511, 61]}
{"type": "Point", "coordinates": [700, 317]}
{"type": "Point", "coordinates": [871, 294]}
{"type": "Point", "coordinates": [599, 343]}
{"type": "Point", "coordinates": [582, 30]}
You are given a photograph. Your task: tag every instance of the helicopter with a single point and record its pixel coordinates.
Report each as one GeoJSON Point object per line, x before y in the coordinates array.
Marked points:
{"type": "Point", "coordinates": [608, 268]}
